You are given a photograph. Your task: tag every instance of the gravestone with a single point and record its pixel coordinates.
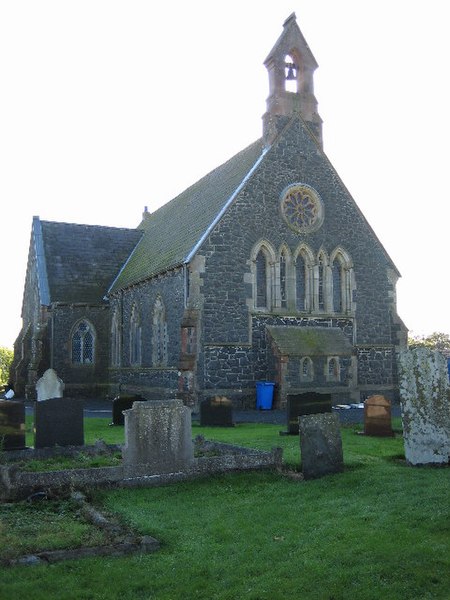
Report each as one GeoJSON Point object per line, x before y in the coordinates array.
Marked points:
{"type": "Point", "coordinates": [121, 403]}
{"type": "Point", "coordinates": [216, 411]}
{"type": "Point", "coordinates": [308, 403]}
{"type": "Point", "coordinates": [377, 416]}
{"type": "Point", "coordinates": [58, 422]}
{"type": "Point", "coordinates": [424, 400]}
{"type": "Point", "coordinates": [158, 438]}
{"type": "Point", "coordinates": [12, 425]}
{"type": "Point", "coordinates": [49, 386]}
{"type": "Point", "coordinates": [320, 445]}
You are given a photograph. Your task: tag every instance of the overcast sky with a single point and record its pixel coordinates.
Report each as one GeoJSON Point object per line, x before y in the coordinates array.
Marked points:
{"type": "Point", "coordinates": [110, 106]}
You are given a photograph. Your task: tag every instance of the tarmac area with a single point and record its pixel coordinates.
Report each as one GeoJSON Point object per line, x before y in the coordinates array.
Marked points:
{"type": "Point", "coordinates": [349, 414]}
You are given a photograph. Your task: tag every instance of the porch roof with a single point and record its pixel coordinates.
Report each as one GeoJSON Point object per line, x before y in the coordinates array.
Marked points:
{"type": "Point", "coordinates": [310, 341]}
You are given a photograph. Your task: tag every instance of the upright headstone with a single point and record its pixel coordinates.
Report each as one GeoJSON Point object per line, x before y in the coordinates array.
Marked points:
{"type": "Point", "coordinates": [49, 386]}
{"type": "Point", "coordinates": [308, 403]}
{"type": "Point", "coordinates": [120, 404]}
{"type": "Point", "coordinates": [158, 438]}
{"type": "Point", "coordinates": [12, 425]}
{"type": "Point", "coordinates": [424, 399]}
{"type": "Point", "coordinates": [58, 422]}
{"type": "Point", "coordinates": [216, 411]}
{"type": "Point", "coordinates": [377, 416]}
{"type": "Point", "coordinates": [320, 445]}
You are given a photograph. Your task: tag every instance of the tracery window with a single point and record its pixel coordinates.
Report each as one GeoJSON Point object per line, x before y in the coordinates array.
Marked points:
{"type": "Point", "coordinates": [159, 333]}
{"type": "Point", "coordinates": [135, 337]}
{"type": "Point", "coordinates": [83, 343]}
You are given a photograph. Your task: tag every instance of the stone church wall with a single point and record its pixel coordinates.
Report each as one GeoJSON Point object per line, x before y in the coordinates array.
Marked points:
{"type": "Point", "coordinates": [148, 379]}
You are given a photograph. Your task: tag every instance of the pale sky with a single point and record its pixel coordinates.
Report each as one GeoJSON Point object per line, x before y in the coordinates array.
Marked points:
{"type": "Point", "coordinates": [109, 106]}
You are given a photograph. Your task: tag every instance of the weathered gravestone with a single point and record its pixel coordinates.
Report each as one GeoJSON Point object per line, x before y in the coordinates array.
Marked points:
{"type": "Point", "coordinates": [320, 445]}
{"type": "Point", "coordinates": [377, 416]}
{"type": "Point", "coordinates": [12, 425]}
{"type": "Point", "coordinates": [120, 404]}
{"type": "Point", "coordinates": [158, 438]}
{"type": "Point", "coordinates": [308, 403]}
{"type": "Point", "coordinates": [424, 400]}
{"type": "Point", "coordinates": [49, 386]}
{"type": "Point", "coordinates": [216, 411]}
{"type": "Point", "coordinates": [58, 422]}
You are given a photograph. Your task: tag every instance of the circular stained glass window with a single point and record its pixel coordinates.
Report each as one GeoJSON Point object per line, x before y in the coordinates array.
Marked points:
{"type": "Point", "coordinates": [302, 208]}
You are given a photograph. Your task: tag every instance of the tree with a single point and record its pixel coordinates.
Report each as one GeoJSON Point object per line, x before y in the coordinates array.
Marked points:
{"type": "Point", "coordinates": [6, 358]}
{"type": "Point", "coordinates": [434, 341]}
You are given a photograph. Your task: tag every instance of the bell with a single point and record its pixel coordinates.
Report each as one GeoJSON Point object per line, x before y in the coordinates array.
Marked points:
{"type": "Point", "coordinates": [291, 72]}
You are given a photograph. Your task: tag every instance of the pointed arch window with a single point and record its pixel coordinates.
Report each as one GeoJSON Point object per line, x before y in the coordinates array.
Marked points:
{"type": "Point", "coordinates": [333, 369]}
{"type": "Point", "coordinates": [300, 283]}
{"type": "Point", "coordinates": [321, 284]}
{"type": "Point", "coordinates": [83, 343]}
{"type": "Point", "coordinates": [283, 280]}
{"type": "Point", "coordinates": [306, 369]}
{"type": "Point", "coordinates": [262, 279]}
{"type": "Point", "coordinates": [135, 337]}
{"type": "Point", "coordinates": [115, 340]}
{"type": "Point", "coordinates": [337, 286]}
{"type": "Point", "coordinates": [342, 281]}
{"type": "Point", "coordinates": [159, 333]}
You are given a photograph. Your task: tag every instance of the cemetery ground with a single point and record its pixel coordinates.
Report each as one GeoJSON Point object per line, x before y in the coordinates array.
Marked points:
{"type": "Point", "coordinates": [380, 529]}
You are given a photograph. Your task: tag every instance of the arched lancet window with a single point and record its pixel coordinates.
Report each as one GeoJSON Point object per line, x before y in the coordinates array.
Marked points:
{"type": "Point", "coordinates": [262, 279]}
{"type": "Point", "coordinates": [342, 280]}
{"type": "Point", "coordinates": [135, 337]}
{"type": "Point", "coordinates": [333, 369]}
{"type": "Point", "coordinates": [283, 280]}
{"type": "Point", "coordinates": [159, 333]}
{"type": "Point", "coordinates": [83, 341]}
{"type": "Point", "coordinates": [306, 369]}
{"type": "Point", "coordinates": [300, 283]}
{"type": "Point", "coordinates": [115, 340]}
{"type": "Point", "coordinates": [337, 269]}
{"type": "Point", "coordinates": [321, 284]}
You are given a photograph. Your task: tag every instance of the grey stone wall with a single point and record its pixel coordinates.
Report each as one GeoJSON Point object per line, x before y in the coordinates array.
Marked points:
{"type": "Point", "coordinates": [146, 378]}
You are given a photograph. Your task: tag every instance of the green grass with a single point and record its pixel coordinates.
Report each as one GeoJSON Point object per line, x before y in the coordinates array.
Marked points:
{"type": "Point", "coordinates": [380, 529]}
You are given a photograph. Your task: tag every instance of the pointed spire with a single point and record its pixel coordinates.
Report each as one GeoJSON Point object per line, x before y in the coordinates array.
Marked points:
{"type": "Point", "coordinates": [291, 67]}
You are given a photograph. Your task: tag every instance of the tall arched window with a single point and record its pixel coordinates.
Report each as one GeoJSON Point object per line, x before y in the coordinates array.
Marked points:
{"type": "Point", "coordinates": [83, 340]}
{"type": "Point", "coordinates": [115, 340]}
{"type": "Point", "coordinates": [135, 337]}
{"type": "Point", "coordinates": [159, 333]}
{"type": "Point", "coordinates": [321, 283]}
{"type": "Point", "coordinates": [283, 280]}
{"type": "Point", "coordinates": [337, 285]}
{"type": "Point", "coordinates": [343, 280]}
{"type": "Point", "coordinates": [262, 277]}
{"type": "Point", "coordinates": [300, 283]}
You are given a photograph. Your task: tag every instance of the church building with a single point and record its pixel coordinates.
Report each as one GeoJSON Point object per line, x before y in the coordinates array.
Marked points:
{"type": "Point", "coordinates": [263, 270]}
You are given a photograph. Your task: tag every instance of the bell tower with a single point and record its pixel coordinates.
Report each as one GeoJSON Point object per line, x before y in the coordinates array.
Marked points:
{"type": "Point", "coordinates": [291, 67]}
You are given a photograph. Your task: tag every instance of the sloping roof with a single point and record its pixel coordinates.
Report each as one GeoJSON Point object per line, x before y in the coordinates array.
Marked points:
{"type": "Point", "coordinates": [82, 260]}
{"type": "Point", "coordinates": [310, 341]}
{"type": "Point", "coordinates": [174, 230]}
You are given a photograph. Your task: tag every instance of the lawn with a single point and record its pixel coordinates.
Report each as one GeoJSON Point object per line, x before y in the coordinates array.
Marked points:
{"type": "Point", "coordinates": [380, 529]}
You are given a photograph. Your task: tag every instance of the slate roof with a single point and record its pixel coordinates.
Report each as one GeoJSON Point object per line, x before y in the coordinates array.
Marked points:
{"type": "Point", "coordinates": [310, 341]}
{"type": "Point", "coordinates": [174, 230]}
{"type": "Point", "coordinates": [82, 260]}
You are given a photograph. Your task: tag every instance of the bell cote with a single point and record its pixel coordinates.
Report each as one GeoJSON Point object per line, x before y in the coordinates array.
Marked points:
{"type": "Point", "coordinates": [291, 66]}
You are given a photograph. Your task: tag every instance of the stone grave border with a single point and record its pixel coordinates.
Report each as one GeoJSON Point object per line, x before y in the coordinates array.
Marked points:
{"type": "Point", "coordinates": [16, 484]}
